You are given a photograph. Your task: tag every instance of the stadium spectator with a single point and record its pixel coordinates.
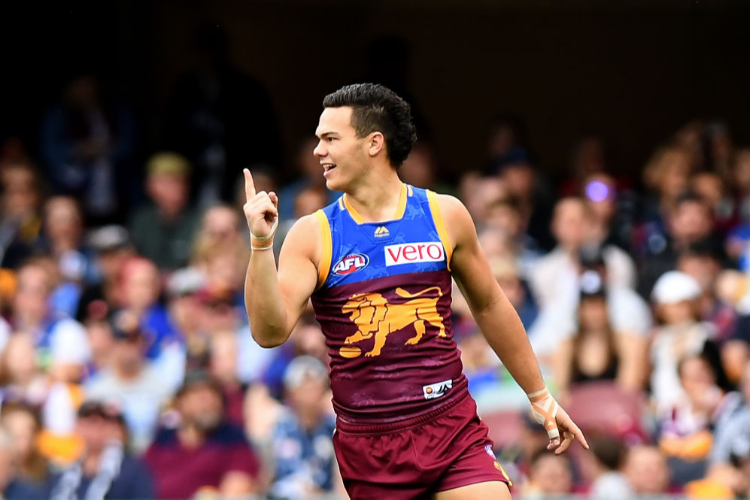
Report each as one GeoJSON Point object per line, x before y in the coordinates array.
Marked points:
{"type": "Point", "coordinates": [223, 368]}
{"type": "Point", "coordinates": [647, 471]}
{"type": "Point", "coordinates": [504, 215]}
{"type": "Point", "coordinates": [688, 222]}
{"type": "Point", "coordinates": [21, 378]}
{"type": "Point", "coordinates": [34, 474]}
{"type": "Point", "coordinates": [507, 274]}
{"type": "Point", "coordinates": [112, 247]}
{"type": "Point", "coordinates": [304, 457]}
{"type": "Point", "coordinates": [21, 220]}
{"type": "Point", "coordinates": [204, 454]}
{"type": "Point", "coordinates": [105, 470]}
{"type": "Point", "coordinates": [33, 313]}
{"type": "Point", "coordinates": [87, 144]}
{"type": "Point", "coordinates": [549, 475]}
{"type": "Point", "coordinates": [608, 481]}
{"type": "Point", "coordinates": [554, 272]}
{"type": "Point", "coordinates": [129, 379]}
{"type": "Point", "coordinates": [680, 333]}
{"type": "Point", "coordinates": [163, 231]}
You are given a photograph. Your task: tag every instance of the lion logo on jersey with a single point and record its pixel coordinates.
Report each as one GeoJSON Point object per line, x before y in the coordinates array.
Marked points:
{"type": "Point", "coordinates": [374, 315]}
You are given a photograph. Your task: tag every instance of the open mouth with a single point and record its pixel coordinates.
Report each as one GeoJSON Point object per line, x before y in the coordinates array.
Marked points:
{"type": "Point", "coordinates": [327, 167]}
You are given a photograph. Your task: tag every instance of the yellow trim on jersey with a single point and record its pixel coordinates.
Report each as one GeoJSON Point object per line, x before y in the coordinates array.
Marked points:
{"type": "Point", "coordinates": [399, 210]}
{"type": "Point", "coordinates": [326, 254]}
{"type": "Point", "coordinates": [437, 218]}
{"type": "Point", "coordinates": [401, 203]}
{"type": "Point", "coordinates": [355, 215]}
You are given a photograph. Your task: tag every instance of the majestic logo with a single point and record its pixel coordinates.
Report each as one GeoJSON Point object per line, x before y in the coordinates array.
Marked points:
{"type": "Point", "coordinates": [351, 264]}
{"type": "Point", "coordinates": [409, 253]}
{"type": "Point", "coordinates": [437, 389]}
{"type": "Point", "coordinates": [381, 232]}
{"type": "Point", "coordinates": [375, 316]}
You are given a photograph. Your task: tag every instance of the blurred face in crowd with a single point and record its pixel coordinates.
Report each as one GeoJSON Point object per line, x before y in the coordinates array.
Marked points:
{"type": "Point", "coordinates": [520, 180]}
{"type": "Point", "coordinates": [111, 261]}
{"type": "Point", "coordinates": [62, 219]}
{"type": "Point", "coordinates": [201, 407]}
{"type": "Point", "coordinates": [593, 314]}
{"type": "Point", "coordinates": [20, 193]}
{"type": "Point", "coordinates": [419, 168]}
{"type": "Point", "coordinates": [96, 431]}
{"type": "Point", "coordinates": [506, 275]}
{"type": "Point", "coordinates": [677, 313]}
{"type": "Point", "coordinates": [221, 224]}
{"type": "Point", "coordinates": [343, 157]}
{"type": "Point", "coordinates": [709, 186]}
{"type": "Point", "coordinates": [570, 223]}
{"type": "Point", "coordinates": [742, 170]}
{"type": "Point", "coordinates": [7, 463]}
{"type": "Point", "coordinates": [497, 244]}
{"type": "Point", "coordinates": [647, 470]}
{"type": "Point", "coordinates": [308, 396]}
{"type": "Point", "coordinates": [505, 216]}
{"type": "Point", "coordinates": [309, 201]}
{"type": "Point", "coordinates": [703, 268]}
{"type": "Point", "coordinates": [224, 350]}
{"type": "Point", "coordinates": [309, 339]}
{"type": "Point", "coordinates": [307, 163]}
{"type": "Point", "coordinates": [23, 428]}
{"type": "Point", "coordinates": [673, 173]}
{"type": "Point", "coordinates": [219, 315]}
{"type": "Point", "coordinates": [128, 355]}
{"type": "Point", "coordinates": [551, 473]}
{"type": "Point", "coordinates": [20, 358]}
{"type": "Point", "coordinates": [589, 157]}
{"type": "Point", "coordinates": [696, 378]}
{"type": "Point", "coordinates": [691, 221]}
{"type": "Point", "coordinates": [140, 284]}
{"type": "Point", "coordinates": [34, 286]}
{"type": "Point", "coordinates": [168, 191]}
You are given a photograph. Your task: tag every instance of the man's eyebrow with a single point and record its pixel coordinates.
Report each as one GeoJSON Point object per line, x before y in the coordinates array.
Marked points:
{"type": "Point", "coordinates": [323, 135]}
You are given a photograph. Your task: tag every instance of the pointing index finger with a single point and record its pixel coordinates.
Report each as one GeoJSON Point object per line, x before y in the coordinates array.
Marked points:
{"type": "Point", "coordinates": [249, 184]}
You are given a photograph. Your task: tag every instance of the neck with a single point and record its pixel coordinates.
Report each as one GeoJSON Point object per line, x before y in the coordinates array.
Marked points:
{"type": "Point", "coordinates": [190, 436]}
{"type": "Point", "coordinates": [91, 462]}
{"type": "Point", "coordinates": [376, 201]}
{"type": "Point", "coordinates": [308, 418]}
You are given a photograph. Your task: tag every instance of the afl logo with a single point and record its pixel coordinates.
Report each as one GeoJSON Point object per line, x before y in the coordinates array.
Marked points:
{"type": "Point", "coordinates": [351, 264]}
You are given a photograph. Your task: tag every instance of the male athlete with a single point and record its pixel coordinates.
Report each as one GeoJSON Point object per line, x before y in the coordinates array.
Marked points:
{"type": "Point", "coordinates": [378, 265]}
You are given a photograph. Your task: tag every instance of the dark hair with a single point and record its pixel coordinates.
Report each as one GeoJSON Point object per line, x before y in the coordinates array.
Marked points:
{"type": "Point", "coordinates": [377, 108]}
{"type": "Point", "coordinates": [609, 451]}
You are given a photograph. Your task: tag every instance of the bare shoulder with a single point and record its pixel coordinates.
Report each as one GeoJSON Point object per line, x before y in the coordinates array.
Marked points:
{"type": "Point", "coordinates": [303, 240]}
{"type": "Point", "coordinates": [458, 221]}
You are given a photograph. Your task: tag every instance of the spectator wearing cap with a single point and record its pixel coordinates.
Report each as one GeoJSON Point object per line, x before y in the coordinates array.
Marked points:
{"type": "Point", "coordinates": [204, 453]}
{"type": "Point", "coordinates": [628, 314]}
{"type": "Point", "coordinates": [593, 353]}
{"type": "Point", "coordinates": [112, 247]}
{"type": "Point", "coordinates": [680, 333]}
{"type": "Point", "coordinates": [304, 462]}
{"type": "Point", "coordinates": [163, 231]}
{"type": "Point", "coordinates": [129, 378]}
{"type": "Point", "coordinates": [105, 470]}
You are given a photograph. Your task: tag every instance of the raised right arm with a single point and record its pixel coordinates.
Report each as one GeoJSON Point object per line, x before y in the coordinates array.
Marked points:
{"type": "Point", "coordinates": [275, 299]}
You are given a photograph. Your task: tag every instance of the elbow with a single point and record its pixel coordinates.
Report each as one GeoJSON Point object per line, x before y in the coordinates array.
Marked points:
{"type": "Point", "coordinates": [268, 340]}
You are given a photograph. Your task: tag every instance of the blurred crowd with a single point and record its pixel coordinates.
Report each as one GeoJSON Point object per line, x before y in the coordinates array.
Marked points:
{"type": "Point", "coordinates": [127, 367]}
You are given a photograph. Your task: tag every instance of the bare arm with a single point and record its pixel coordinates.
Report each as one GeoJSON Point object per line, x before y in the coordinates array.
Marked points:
{"type": "Point", "coordinates": [498, 320]}
{"type": "Point", "coordinates": [275, 299]}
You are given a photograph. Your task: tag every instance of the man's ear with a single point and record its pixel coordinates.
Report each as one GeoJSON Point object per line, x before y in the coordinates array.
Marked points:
{"type": "Point", "coordinates": [376, 143]}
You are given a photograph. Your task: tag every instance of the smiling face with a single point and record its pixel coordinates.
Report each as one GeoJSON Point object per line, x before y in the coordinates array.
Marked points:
{"type": "Point", "coordinates": [343, 156]}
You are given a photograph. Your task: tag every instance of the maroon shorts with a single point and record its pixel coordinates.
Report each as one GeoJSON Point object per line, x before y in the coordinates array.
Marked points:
{"type": "Point", "coordinates": [412, 459]}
